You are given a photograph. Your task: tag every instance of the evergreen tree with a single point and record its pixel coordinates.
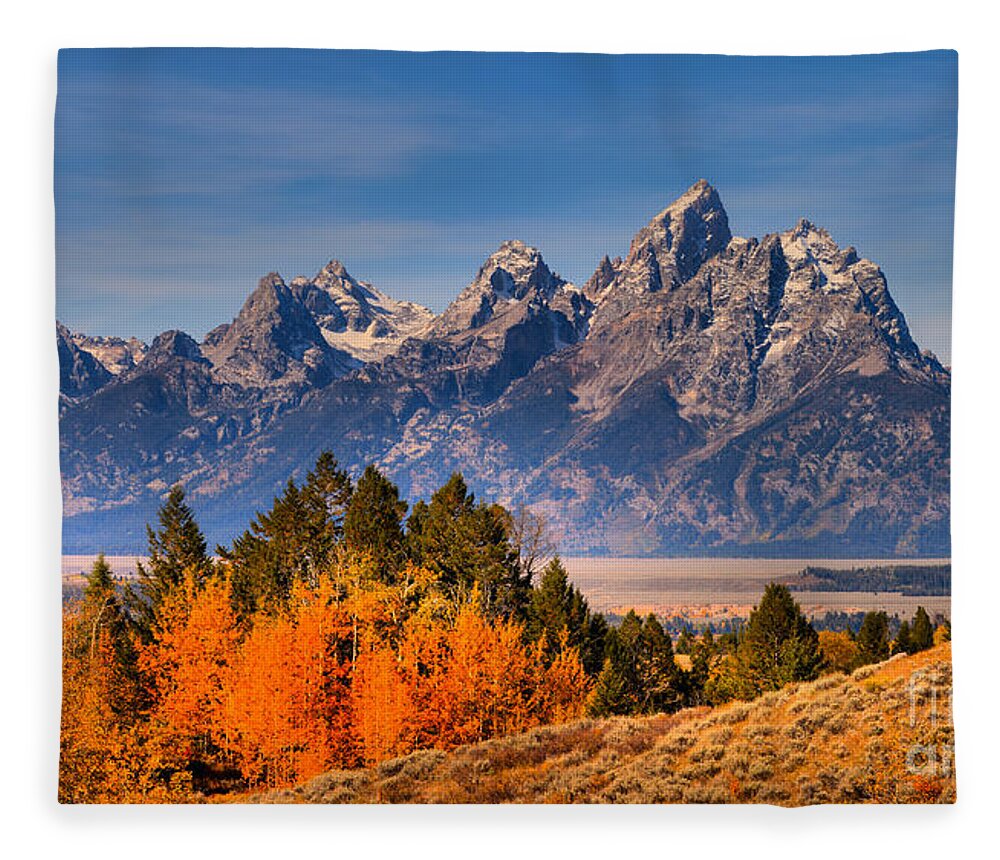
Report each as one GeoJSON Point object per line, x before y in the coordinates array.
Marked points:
{"type": "Point", "coordinates": [610, 696]}
{"type": "Point", "coordinates": [556, 605]}
{"type": "Point", "coordinates": [293, 541]}
{"type": "Point", "coordinates": [373, 523]}
{"type": "Point", "coordinates": [778, 644]}
{"type": "Point", "coordinates": [657, 672]}
{"type": "Point", "coordinates": [617, 690]}
{"type": "Point", "coordinates": [435, 532]}
{"type": "Point", "coordinates": [176, 548]}
{"type": "Point", "coordinates": [873, 638]}
{"type": "Point", "coordinates": [639, 674]}
{"type": "Point", "coordinates": [468, 546]}
{"type": "Point", "coordinates": [708, 639]}
{"type": "Point", "coordinates": [727, 643]}
{"type": "Point", "coordinates": [903, 643]}
{"type": "Point", "coordinates": [550, 605]}
{"type": "Point", "coordinates": [692, 683]}
{"type": "Point", "coordinates": [102, 609]}
{"type": "Point", "coordinates": [103, 613]}
{"type": "Point", "coordinates": [326, 495]}
{"type": "Point", "coordinates": [685, 642]}
{"type": "Point", "coordinates": [100, 587]}
{"type": "Point", "coordinates": [415, 530]}
{"type": "Point", "coordinates": [593, 643]}
{"type": "Point", "coordinates": [922, 632]}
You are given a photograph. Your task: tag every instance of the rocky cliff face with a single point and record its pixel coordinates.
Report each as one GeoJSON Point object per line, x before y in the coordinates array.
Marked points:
{"type": "Point", "coordinates": [514, 312]}
{"type": "Point", "coordinates": [356, 318]}
{"type": "Point", "coordinates": [274, 341]}
{"type": "Point", "coordinates": [80, 374]}
{"type": "Point", "coordinates": [115, 354]}
{"type": "Point", "coordinates": [731, 395]}
{"type": "Point", "coordinates": [705, 394]}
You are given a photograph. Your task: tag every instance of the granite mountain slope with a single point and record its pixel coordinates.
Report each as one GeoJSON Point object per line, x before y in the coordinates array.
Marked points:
{"type": "Point", "coordinates": [355, 317]}
{"type": "Point", "coordinates": [116, 354]}
{"type": "Point", "coordinates": [705, 394]}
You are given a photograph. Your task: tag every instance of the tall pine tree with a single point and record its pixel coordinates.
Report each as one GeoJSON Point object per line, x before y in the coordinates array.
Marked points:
{"type": "Point", "coordinates": [557, 605]}
{"type": "Point", "coordinates": [373, 524]}
{"type": "Point", "coordinates": [175, 548]}
{"type": "Point", "coordinates": [468, 546]}
{"type": "Point", "coordinates": [294, 541]}
{"type": "Point", "coordinates": [873, 638]}
{"type": "Point", "coordinates": [779, 644]}
{"type": "Point", "coordinates": [660, 691]}
{"type": "Point", "coordinates": [922, 631]}
{"type": "Point", "coordinates": [904, 641]}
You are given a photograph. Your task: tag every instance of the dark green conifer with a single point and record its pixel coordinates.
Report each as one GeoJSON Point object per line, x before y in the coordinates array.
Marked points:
{"type": "Point", "coordinates": [685, 642]}
{"type": "Point", "coordinates": [295, 540]}
{"type": "Point", "coordinates": [658, 674]}
{"type": "Point", "coordinates": [555, 606]}
{"type": "Point", "coordinates": [778, 644]}
{"type": "Point", "coordinates": [873, 638]}
{"type": "Point", "coordinates": [611, 695]}
{"type": "Point", "coordinates": [177, 548]}
{"type": "Point", "coordinates": [903, 643]}
{"type": "Point", "coordinates": [922, 631]}
{"type": "Point", "coordinates": [467, 544]}
{"type": "Point", "coordinates": [550, 606]}
{"type": "Point", "coordinates": [373, 524]}
{"type": "Point", "coordinates": [103, 612]}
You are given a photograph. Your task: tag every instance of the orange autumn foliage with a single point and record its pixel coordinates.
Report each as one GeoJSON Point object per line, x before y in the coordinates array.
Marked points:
{"type": "Point", "coordinates": [839, 651]}
{"type": "Point", "coordinates": [105, 757]}
{"type": "Point", "coordinates": [351, 671]}
{"type": "Point", "coordinates": [284, 703]}
{"type": "Point", "coordinates": [565, 686]}
{"type": "Point", "coordinates": [382, 707]}
{"type": "Point", "coordinates": [187, 664]}
{"type": "Point", "coordinates": [452, 684]}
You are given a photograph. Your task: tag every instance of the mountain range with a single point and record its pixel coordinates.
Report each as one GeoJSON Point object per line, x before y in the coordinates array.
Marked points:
{"type": "Point", "coordinates": [703, 395]}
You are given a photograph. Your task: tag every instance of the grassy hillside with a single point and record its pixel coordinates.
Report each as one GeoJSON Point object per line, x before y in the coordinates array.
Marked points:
{"type": "Point", "coordinates": [881, 735]}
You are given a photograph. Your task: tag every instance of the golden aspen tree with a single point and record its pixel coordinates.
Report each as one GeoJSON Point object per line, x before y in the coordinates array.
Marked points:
{"type": "Point", "coordinates": [186, 664]}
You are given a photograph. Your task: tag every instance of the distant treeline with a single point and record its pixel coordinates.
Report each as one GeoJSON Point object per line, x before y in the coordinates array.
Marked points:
{"type": "Point", "coordinates": [910, 579]}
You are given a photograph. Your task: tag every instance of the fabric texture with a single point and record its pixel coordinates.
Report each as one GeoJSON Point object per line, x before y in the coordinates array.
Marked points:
{"type": "Point", "coordinates": [505, 428]}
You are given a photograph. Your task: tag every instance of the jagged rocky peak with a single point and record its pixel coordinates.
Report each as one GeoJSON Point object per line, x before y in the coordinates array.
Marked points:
{"type": "Point", "coordinates": [355, 317]}
{"type": "Point", "coordinates": [516, 270]}
{"type": "Point", "coordinates": [808, 243]}
{"type": "Point", "coordinates": [274, 340]}
{"type": "Point", "coordinates": [604, 275]}
{"type": "Point", "coordinates": [673, 246]}
{"type": "Point", "coordinates": [116, 354]}
{"type": "Point", "coordinates": [819, 265]}
{"type": "Point", "coordinates": [513, 277]}
{"type": "Point", "coordinates": [663, 255]}
{"type": "Point", "coordinates": [174, 344]}
{"type": "Point", "coordinates": [336, 297]}
{"type": "Point", "coordinates": [334, 272]}
{"type": "Point", "coordinates": [80, 373]}
{"type": "Point", "coordinates": [270, 310]}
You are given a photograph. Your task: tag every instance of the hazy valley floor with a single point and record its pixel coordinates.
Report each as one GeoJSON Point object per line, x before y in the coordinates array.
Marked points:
{"type": "Point", "coordinates": [678, 585]}
{"type": "Point", "coordinates": [881, 735]}
{"type": "Point", "coordinates": [714, 587]}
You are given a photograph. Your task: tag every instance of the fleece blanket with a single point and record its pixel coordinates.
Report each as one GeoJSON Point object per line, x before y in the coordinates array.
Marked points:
{"type": "Point", "coordinates": [488, 428]}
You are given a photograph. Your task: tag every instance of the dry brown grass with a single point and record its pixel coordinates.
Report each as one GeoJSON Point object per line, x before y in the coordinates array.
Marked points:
{"type": "Point", "coordinates": [883, 734]}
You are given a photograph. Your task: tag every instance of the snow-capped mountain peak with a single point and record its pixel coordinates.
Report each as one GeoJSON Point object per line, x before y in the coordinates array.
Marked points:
{"type": "Point", "coordinates": [356, 317]}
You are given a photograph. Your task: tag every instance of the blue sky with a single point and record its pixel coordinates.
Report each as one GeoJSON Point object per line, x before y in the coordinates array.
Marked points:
{"type": "Point", "coordinates": [182, 176]}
